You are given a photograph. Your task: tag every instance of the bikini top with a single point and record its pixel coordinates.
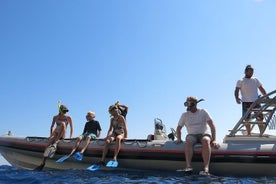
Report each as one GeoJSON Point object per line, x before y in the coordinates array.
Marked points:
{"type": "Point", "coordinates": [62, 119]}
{"type": "Point", "coordinates": [59, 123]}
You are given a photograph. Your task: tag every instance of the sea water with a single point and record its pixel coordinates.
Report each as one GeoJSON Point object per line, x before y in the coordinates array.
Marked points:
{"type": "Point", "coordinates": [12, 175]}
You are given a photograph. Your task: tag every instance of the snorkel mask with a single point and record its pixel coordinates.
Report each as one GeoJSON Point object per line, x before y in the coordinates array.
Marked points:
{"type": "Point", "coordinates": [111, 108]}
{"type": "Point", "coordinates": [191, 102]}
{"type": "Point", "coordinates": [63, 109]}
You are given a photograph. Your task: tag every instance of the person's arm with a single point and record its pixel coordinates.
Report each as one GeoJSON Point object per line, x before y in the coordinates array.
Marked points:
{"type": "Point", "coordinates": [125, 127]}
{"type": "Point", "coordinates": [124, 106]}
{"type": "Point", "coordinates": [213, 132]}
{"type": "Point", "coordinates": [236, 93]}
{"type": "Point", "coordinates": [63, 131]}
{"type": "Point", "coordinates": [52, 126]}
{"type": "Point", "coordinates": [99, 129]}
{"type": "Point", "coordinates": [180, 125]}
{"type": "Point", "coordinates": [109, 132]}
{"type": "Point", "coordinates": [213, 129]}
{"type": "Point", "coordinates": [178, 133]}
{"type": "Point", "coordinates": [99, 133]}
{"type": "Point", "coordinates": [123, 109]}
{"type": "Point", "coordinates": [71, 127]}
{"type": "Point", "coordinates": [262, 90]}
{"type": "Point", "coordinates": [85, 128]}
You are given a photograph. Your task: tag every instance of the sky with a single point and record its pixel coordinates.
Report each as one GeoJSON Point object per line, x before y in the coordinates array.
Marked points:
{"type": "Point", "coordinates": [147, 54]}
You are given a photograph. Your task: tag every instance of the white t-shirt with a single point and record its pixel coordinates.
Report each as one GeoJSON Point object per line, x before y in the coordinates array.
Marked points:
{"type": "Point", "coordinates": [249, 88]}
{"type": "Point", "coordinates": [196, 123]}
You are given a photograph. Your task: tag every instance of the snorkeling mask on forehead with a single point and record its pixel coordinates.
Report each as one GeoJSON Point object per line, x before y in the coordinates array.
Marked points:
{"type": "Point", "coordinates": [112, 107]}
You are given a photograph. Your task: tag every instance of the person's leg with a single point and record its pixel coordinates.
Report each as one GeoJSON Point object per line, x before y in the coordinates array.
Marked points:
{"type": "Point", "coordinates": [189, 143]}
{"type": "Point", "coordinates": [44, 160]}
{"type": "Point", "coordinates": [51, 139]}
{"type": "Point", "coordinates": [59, 132]}
{"type": "Point", "coordinates": [261, 126]}
{"type": "Point", "coordinates": [118, 146]}
{"type": "Point", "coordinates": [105, 149]}
{"type": "Point", "coordinates": [41, 166]}
{"type": "Point", "coordinates": [87, 141]}
{"type": "Point", "coordinates": [248, 128]}
{"type": "Point", "coordinates": [245, 107]}
{"type": "Point", "coordinates": [259, 117]}
{"type": "Point", "coordinates": [59, 136]}
{"type": "Point", "coordinates": [76, 145]}
{"type": "Point", "coordinates": [206, 152]}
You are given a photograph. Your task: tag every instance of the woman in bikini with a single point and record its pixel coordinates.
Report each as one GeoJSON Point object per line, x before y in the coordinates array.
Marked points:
{"type": "Point", "coordinates": [61, 121]}
{"type": "Point", "coordinates": [117, 131]}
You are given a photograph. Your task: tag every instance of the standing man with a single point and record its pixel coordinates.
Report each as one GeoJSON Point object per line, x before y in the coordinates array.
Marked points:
{"type": "Point", "coordinates": [249, 86]}
{"type": "Point", "coordinates": [197, 121]}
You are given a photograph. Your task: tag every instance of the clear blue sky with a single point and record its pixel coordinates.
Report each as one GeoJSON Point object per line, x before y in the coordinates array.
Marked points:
{"type": "Point", "coordinates": [149, 55]}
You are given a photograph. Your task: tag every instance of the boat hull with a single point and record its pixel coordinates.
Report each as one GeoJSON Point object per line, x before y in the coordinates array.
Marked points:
{"type": "Point", "coordinates": [231, 159]}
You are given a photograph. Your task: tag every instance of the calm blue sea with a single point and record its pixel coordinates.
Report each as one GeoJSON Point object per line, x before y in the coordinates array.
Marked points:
{"type": "Point", "coordinates": [11, 175]}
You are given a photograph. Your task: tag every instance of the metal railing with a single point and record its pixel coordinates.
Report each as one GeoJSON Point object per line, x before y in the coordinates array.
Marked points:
{"type": "Point", "coordinates": [266, 110]}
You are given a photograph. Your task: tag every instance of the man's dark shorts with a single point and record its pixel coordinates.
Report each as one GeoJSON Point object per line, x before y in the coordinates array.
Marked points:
{"type": "Point", "coordinates": [198, 137]}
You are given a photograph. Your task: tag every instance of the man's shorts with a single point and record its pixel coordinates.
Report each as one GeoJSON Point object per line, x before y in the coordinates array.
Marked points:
{"type": "Point", "coordinates": [246, 106]}
{"type": "Point", "coordinates": [91, 135]}
{"type": "Point", "coordinates": [198, 137]}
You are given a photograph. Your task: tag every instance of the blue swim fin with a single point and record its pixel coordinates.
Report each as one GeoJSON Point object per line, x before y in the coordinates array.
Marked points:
{"type": "Point", "coordinates": [112, 163]}
{"type": "Point", "coordinates": [78, 156]}
{"type": "Point", "coordinates": [94, 167]}
{"type": "Point", "coordinates": [62, 159]}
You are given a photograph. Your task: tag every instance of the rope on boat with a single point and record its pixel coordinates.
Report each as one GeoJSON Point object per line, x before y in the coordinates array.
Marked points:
{"type": "Point", "coordinates": [32, 139]}
{"type": "Point", "coordinates": [140, 143]}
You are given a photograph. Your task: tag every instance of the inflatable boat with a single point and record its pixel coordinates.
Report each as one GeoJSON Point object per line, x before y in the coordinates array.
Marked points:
{"type": "Point", "coordinates": [238, 155]}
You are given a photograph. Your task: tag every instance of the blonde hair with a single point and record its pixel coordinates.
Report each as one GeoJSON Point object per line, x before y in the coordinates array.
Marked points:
{"type": "Point", "coordinates": [91, 113]}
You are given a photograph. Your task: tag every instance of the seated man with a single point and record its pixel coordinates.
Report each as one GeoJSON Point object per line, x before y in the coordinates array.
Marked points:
{"type": "Point", "coordinates": [197, 121]}
{"type": "Point", "coordinates": [92, 130]}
